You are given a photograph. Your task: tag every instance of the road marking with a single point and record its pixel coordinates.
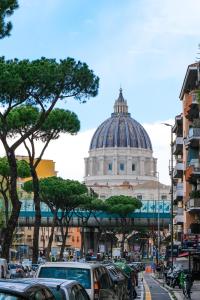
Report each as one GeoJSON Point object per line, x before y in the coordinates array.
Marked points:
{"type": "Point", "coordinates": [147, 290]}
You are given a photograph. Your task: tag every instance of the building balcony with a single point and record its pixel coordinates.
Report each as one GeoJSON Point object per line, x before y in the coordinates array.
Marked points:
{"type": "Point", "coordinates": [178, 146]}
{"type": "Point", "coordinates": [179, 228]}
{"type": "Point", "coordinates": [178, 126]}
{"type": "Point", "coordinates": [179, 190]}
{"type": "Point", "coordinates": [178, 219]}
{"type": "Point", "coordinates": [191, 110]}
{"type": "Point", "coordinates": [192, 172]}
{"type": "Point", "coordinates": [193, 205]}
{"type": "Point", "coordinates": [178, 170]}
{"type": "Point", "coordinates": [193, 137]}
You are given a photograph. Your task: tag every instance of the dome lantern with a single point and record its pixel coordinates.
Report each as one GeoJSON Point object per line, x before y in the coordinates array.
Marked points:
{"type": "Point", "coordinates": [120, 106]}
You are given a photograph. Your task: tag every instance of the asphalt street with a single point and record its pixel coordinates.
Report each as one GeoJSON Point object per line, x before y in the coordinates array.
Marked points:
{"type": "Point", "coordinates": [156, 291]}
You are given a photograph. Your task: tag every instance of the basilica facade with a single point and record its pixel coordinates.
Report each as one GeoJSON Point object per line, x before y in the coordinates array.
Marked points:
{"type": "Point", "coordinates": [121, 161]}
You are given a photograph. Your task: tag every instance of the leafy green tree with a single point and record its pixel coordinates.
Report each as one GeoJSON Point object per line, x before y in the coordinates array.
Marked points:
{"type": "Point", "coordinates": [123, 206]}
{"type": "Point", "coordinates": [73, 198]}
{"type": "Point", "coordinates": [61, 196]}
{"type": "Point", "coordinates": [58, 121]}
{"type": "Point", "coordinates": [23, 171]}
{"type": "Point", "coordinates": [49, 190]}
{"type": "Point", "coordinates": [40, 83]}
{"type": "Point", "coordinates": [7, 8]}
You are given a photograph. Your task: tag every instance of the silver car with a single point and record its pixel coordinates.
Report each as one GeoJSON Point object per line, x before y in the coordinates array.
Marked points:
{"type": "Point", "coordinates": [93, 277]}
{"type": "Point", "coordinates": [62, 289]}
{"type": "Point", "coordinates": [24, 290]}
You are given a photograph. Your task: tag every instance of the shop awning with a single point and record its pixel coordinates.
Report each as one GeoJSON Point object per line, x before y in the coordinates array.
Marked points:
{"type": "Point", "coordinates": [183, 254]}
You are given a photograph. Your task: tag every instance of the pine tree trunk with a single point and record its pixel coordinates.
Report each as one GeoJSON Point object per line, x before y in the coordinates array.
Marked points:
{"type": "Point", "coordinates": [64, 238]}
{"type": "Point", "coordinates": [16, 206]}
{"type": "Point", "coordinates": [51, 236]}
{"type": "Point", "coordinates": [6, 202]}
{"type": "Point", "coordinates": [82, 242]}
{"type": "Point", "coordinates": [37, 223]}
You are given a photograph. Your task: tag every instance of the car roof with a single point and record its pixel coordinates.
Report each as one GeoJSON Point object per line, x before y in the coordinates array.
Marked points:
{"type": "Point", "coordinates": [17, 285]}
{"type": "Point", "coordinates": [50, 282]}
{"type": "Point", "coordinates": [71, 264]}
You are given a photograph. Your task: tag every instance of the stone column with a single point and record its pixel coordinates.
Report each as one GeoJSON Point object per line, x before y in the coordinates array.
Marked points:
{"type": "Point", "coordinates": [129, 165]}
{"type": "Point", "coordinates": [91, 166]}
{"type": "Point", "coordinates": [86, 166]}
{"type": "Point", "coordinates": [142, 166]}
{"type": "Point", "coordinates": [115, 165]}
{"type": "Point", "coordinates": [101, 165]}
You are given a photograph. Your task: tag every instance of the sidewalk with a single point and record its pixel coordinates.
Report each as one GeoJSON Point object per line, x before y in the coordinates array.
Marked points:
{"type": "Point", "coordinates": [177, 292]}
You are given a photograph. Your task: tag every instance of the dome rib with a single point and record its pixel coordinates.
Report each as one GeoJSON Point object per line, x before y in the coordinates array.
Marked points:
{"type": "Point", "coordinates": [106, 136]}
{"type": "Point", "coordinates": [116, 132]}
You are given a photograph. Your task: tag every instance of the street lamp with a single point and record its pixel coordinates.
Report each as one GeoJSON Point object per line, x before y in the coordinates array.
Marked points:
{"type": "Point", "coordinates": [172, 192]}
{"type": "Point", "coordinates": [158, 241]}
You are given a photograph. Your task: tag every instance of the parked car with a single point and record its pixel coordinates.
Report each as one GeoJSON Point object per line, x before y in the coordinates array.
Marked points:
{"type": "Point", "coordinates": [22, 290]}
{"type": "Point", "coordinates": [120, 281]}
{"type": "Point", "coordinates": [16, 271]}
{"type": "Point", "coordinates": [62, 289]}
{"type": "Point", "coordinates": [93, 277]}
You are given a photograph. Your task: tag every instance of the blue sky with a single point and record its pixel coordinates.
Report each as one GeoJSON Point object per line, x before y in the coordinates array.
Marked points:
{"type": "Point", "coordinates": [142, 45]}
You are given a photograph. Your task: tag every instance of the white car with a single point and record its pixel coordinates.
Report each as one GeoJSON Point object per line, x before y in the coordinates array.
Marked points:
{"type": "Point", "coordinates": [93, 277]}
{"type": "Point", "coordinates": [61, 289]}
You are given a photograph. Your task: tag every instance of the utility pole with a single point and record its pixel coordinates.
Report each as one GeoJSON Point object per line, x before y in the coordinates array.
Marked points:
{"type": "Point", "coordinates": [172, 193]}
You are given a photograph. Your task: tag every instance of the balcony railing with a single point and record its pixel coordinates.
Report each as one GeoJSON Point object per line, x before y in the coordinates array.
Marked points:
{"type": "Point", "coordinates": [193, 204]}
{"type": "Point", "coordinates": [193, 137]}
{"type": "Point", "coordinates": [178, 146]}
{"type": "Point", "coordinates": [193, 170]}
{"type": "Point", "coordinates": [179, 190]}
{"type": "Point", "coordinates": [178, 219]}
{"type": "Point", "coordinates": [178, 170]}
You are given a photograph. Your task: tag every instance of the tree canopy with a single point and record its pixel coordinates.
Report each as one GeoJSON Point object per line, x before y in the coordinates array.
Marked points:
{"type": "Point", "coordinates": [23, 169]}
{"type": "Point", "coordinates": [7, 8]}
{"type": "Point", "coordinates": [122, 205]}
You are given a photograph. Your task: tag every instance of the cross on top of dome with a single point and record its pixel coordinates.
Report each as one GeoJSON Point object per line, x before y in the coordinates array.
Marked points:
{"type": "Point", "coordinates": [120, 98]}
{"type": "Point", "coordinates": [120, 106]}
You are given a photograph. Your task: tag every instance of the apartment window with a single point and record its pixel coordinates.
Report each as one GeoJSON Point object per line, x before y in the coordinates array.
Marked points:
{"type": "Point", "coordinates": [121, 167]}
{"type": "Point", "coordinates": [72, 238]}
{"type": "Point", "coordinates": [164, 197]}
{"type": "Point", "coordinates": [110, 167]}
{"type": "Point", "coordinates": [77, 239]}
{"type": "Point", "coordinates": [133, 167]}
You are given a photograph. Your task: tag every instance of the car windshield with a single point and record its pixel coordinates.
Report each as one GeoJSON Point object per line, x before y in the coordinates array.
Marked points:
{"type": "Point", "coordinates": [6, 296]}
{"type": "Point", "coordinates": [78, 274]}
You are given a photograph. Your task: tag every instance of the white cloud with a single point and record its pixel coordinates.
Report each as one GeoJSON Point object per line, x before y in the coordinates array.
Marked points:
{"type": "Point", "coordinates": [69, 152]}
{"type": "Point", "coordinates": [160, 136]}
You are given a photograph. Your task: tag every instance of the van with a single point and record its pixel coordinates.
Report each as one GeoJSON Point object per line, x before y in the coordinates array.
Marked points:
{"type": "Point", "coordinates": [4, 273]}
{"type": "Point", "coordinates": [93, 277]}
